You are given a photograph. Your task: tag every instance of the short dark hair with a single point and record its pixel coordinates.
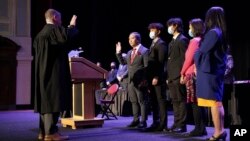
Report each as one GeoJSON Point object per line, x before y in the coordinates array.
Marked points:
{"type": "Point", "coordinates": [176, 21]}
{"type": "Point", "coordinates": [137, 36]}
{"type": "Point", "coordinates": [157, 26]}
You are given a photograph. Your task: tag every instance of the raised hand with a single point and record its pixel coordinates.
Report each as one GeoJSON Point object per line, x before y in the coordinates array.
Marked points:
{"type": "Point", "coordinates": [73, 20]}
{"type": "Point", "coordinates": [155, 81]}
{"type": "Point", "coordinates": [118, 47]}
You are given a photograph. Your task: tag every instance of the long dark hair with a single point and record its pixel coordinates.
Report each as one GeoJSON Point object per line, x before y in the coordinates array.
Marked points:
{"type": "Point", "coordinates": [215, 17]}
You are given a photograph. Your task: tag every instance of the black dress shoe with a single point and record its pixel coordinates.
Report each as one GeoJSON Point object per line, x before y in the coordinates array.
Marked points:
{"type": "Point", "coordinates": [170, 129]}
{"type": "Point", "coordinates": [180, 130]}
{"type": "Point", "coordinates": [142, 124]}
{"type": "Point", "coordinates": [161, 128]}
{"type": "Point", "coordinates": [167, 130]}
{"type": "Point", "coordinates": [151, 128]}
{"type": "Point", "coordinates": [196, 133]}
{"type": "Point", "coordinates": [133, 124]}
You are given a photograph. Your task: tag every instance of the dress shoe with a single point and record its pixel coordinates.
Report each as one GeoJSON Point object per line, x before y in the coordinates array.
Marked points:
{"type": "Point", "coordinates": [196, 133]}
{"type": "Point", "coordinates": [142, 124]}
{"type": "Point", "coordinates": [40, 136]}
{"type": "Point", "coordinates": [161, 128]}
{"type": "Point", "coordinates": [222, 137]}
{"type": "Point", "coordinates": [180, 130]}
{"type": "Point", "coordinates": [152, 127]}
{"type": "Point", "coordinates": [170, 129]}
{"type": "Point", "coordinates": [167, 130]}
{"type": "Point", "coordinates": [134, 123]}
{"type": "Point", "coordinates": [55, 137]}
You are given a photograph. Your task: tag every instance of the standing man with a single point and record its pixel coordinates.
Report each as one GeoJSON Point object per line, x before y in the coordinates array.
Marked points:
{"type": "Point", "coordinates": [137, 61]}
{"type": "Point", "coordinates": [176, 57]}
{"type": "Point", "coordinates": [52, 74]}
{"type": "Point", "coordinates": [156, 80]}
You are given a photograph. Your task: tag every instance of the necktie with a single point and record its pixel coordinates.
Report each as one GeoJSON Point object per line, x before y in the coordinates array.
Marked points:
{"type": "Point", "coordinates": [133, 55]}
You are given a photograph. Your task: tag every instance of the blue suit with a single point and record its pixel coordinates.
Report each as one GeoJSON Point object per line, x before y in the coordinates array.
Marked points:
{"type": "Point", "coordinates": [210, 61]}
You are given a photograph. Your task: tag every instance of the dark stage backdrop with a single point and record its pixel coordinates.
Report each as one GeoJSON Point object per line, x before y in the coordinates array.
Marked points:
{"type": "Point", "coordinates": [104, 22]}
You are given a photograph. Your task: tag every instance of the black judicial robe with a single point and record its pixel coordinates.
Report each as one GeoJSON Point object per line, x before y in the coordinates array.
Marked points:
{"type": "Point", "coordinates": [53, 85]}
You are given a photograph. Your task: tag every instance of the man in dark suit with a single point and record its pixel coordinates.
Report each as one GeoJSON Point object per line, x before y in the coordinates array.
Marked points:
{"type": "Point", "coordinates": [176, 57]}
{"type": "Point", "coordinates": [156, 80]}
{"type": "Point", "coordinates": [137, 61]}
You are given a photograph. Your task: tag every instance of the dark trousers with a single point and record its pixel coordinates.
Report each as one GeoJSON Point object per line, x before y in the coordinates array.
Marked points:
{"type": "Point", "coordinates": [180, 114]}
{"type": "Point", "coordinates": [228, 89]}
{"type": "Point", "coordinates": [159, 104]}
{"type": "Point", "coordinates": [178, 97]}
{"type": "Point", "coordinates": [138, 100]}
{"type": "Point", "coordinates": [48, 123]}
{"type": "Point", "coordinates": [199, 115]}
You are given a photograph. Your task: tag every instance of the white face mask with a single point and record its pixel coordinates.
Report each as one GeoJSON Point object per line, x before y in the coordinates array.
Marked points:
{"type": "Point", "coordinates": [152, 35]}
{"type": "Point", "coordinates": [190, 33]}
{"type": "Point", "coordinates": [170, 30]}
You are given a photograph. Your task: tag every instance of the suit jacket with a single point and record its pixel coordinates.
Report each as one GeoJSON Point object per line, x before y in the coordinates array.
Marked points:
{"type": "Point", "coordinates": [157, 58]}
{"type": "Point", "coordinates": [210, 63]}
{"type": "Point", "coordinates": [176, 56]}
{"type": "Point", "coordinates": [136, 69]}
{"type": "Point", "coordinates": [210, 57]}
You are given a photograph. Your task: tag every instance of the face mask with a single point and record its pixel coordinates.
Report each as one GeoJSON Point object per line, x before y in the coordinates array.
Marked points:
{"type": "Point", "coordinates": [112, 67]}
{"type": "Point", "coordinates": [152, 35]}
{"type": "Point", "coordinates": [170, 30]}
{"type": "Point", "coordinates": [190, 33]}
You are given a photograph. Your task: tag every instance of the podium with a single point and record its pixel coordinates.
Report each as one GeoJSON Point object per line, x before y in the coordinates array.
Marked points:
{"type": "Point", "coordinates": [86, 77]}
{"type": "Point", "coordinates": [242, 90]}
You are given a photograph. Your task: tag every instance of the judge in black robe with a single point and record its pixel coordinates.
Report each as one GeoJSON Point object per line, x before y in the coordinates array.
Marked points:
{"type": "Point", "coordinates": [52, 73]}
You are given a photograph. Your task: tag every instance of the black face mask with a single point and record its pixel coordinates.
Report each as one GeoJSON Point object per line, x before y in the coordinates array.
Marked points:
{"type": "Point", "coordinates": [112, 67]}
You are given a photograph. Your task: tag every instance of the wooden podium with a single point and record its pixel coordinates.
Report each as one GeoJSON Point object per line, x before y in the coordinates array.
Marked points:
{"type": "Point", "coordinates": [86, 77]}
